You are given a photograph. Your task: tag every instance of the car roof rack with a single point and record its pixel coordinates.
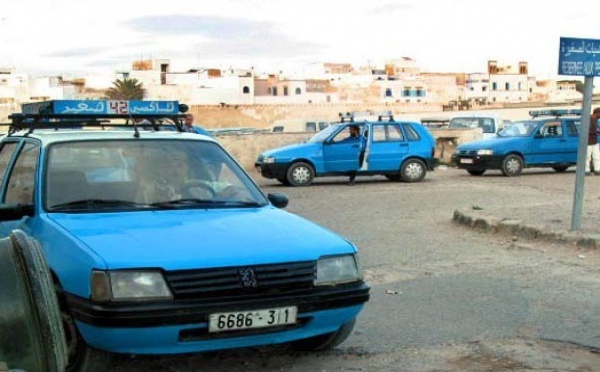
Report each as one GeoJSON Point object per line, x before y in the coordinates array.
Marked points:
{"type": "Point", "coordinates": [75, 114]}
{"type": "Point", "coordinates": [554, 112]}
{"type": "Point", "coordinates": [350, 117]}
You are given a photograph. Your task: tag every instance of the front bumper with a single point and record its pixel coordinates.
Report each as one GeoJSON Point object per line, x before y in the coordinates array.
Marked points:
{"type": "Point", "coordinates": [272, 170]}
{"type": "Point", "coordinates": [168, 327]}
{"type": "Point", "coordinates": [477, 162]}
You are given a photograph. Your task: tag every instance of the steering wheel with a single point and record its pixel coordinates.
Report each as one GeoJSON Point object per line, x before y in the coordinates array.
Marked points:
{"type": "Point", "coordinates": [201, 187]}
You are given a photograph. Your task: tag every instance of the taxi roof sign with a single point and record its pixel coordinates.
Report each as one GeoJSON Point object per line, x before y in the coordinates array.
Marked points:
{"type": "Point", "coordinates": [103, 107]}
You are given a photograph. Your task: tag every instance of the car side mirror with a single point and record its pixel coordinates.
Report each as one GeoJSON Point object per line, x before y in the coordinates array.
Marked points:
{"type": "Point", "coordinates": [15, 212]}
{"type": "Point", "coordinates": [278, 199]}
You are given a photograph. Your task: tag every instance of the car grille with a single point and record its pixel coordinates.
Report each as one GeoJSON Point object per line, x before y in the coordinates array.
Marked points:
{"type": "Point", "coordinates": [467, 152]}
{"type": "Point", "coordinates": [242, 280]}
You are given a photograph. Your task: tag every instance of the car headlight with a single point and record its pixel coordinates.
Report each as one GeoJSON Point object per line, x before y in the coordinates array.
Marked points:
{"type": "Point", "coordinates": [338, 269]}
{"type": "Point", "coordinates": [269, 160]}
{"type": "Point", "coordinates": [485, 152]}
{"type": "Point", "coordinates": [129, 285]}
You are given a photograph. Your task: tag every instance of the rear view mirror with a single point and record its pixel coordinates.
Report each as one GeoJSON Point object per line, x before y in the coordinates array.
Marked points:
{"type": "Point", "coordinates": [279, 200]}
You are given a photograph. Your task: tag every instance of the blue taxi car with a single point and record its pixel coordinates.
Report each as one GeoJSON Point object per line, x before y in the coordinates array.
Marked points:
{"type": "Point", "coordinates": [549, 139]}
{"type": "Point", "coordinates": [119, 213]}
{"type": "Point", "coordinates": [399, 150]}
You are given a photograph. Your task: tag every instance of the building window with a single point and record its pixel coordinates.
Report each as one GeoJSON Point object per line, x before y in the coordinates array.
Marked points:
{"type": "Point", "coordinates": [494, 86]}
{"type": "Point", "coordinates": [274, 91]}
{"type": "Point", "coordinates": [246, 89]}
{"type": "Point", "coordinates": [388, 92]}
{"type": "Point", "coordinates": [506, 86]}
{"type": "Point", "coordinates": [484, 88]}
{"type": "Point", "coordinates": [285, 91]}
{"type": "Point", "coordinates": [298, 91]}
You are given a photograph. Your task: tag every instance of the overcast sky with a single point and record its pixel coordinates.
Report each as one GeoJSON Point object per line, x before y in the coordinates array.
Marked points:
{"type": "Point", "coordinates": [82, 36]}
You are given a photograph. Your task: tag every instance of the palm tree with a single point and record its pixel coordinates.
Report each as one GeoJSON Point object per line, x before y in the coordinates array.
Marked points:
{"type": "Point", "coordinates": [126, 89]}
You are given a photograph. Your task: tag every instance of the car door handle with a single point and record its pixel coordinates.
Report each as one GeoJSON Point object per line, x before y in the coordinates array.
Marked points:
{"type": "Point", "coordinates": [563, 140]}
{"type": "Point", "coordinates": [404, 144]}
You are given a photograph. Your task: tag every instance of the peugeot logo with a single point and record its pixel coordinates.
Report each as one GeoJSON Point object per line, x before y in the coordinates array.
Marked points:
{"type": "Point", "coordinates": [248, 278]}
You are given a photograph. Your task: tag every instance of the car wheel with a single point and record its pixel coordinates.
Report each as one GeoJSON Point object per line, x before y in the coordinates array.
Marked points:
{"type": "Point", "coordinates": [283, 181]}
{"type": "Point", "coordinates": [560, 168]}
{"type": "Point", "coordinates": [326, 341]}
{"type": "Point", "coordinates": [81, 356]}
{"type": "Point", "coordinates": [512, 165]}
{"type": "Point", "coordinates": [476, 172]}
{"type": "Point", "coordinates": [413, 170]}
{"type": "Point", "coordinates": [300, 174]}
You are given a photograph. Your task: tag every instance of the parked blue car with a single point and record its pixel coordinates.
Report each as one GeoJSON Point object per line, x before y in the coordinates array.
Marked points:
{"type": "Point", "coordinates": [549, 139]}
{"type": "Point", "coordinates": [399, 150]}
{"type": "Point", "coordinates": [158, 242]}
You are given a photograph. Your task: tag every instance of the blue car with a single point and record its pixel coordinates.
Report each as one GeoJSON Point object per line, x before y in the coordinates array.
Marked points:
{"type": "Point", "coordinates": [160, 243]}
{"type": "Point", "coordinates": [549, 139]}
{"type": "Point", "coordinates": [399, 150]}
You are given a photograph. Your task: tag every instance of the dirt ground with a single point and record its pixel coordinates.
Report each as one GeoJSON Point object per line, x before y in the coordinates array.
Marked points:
{"type": "Point", "coordinates": [445, 297]}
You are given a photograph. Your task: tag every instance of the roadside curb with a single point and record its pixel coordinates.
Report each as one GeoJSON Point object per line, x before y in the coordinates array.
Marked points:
{"type": "Point", "coordinates": [515, 227]}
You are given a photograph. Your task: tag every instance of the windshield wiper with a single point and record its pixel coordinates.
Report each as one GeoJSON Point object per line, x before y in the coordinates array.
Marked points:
{"type": "Point", "coordinates": [192, 202]}
{"type": "Point", "coordinates": [90, 203]}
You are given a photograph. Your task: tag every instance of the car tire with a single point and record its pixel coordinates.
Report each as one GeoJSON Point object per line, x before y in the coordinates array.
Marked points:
{"type": "Point", "coordinates": [413, 170]}
{"type": "Point", "coordinates": [81, 356]}
{"type": "Point", "coordinates": [476, 172]}
{"type": "Point", "coordinates": [300, 174]}
{"type": "Point", "coordinates": [560, 168]}
{"type": "Point", "coordinates": [512, 165]}
{"type": "Point", "coordinates": [283, 181]}
{"type": "Point", "coordinates": [327, 341]}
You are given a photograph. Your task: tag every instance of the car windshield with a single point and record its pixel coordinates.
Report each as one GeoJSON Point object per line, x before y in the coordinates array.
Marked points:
{"type": "Point", "coordinates": [518, 129]}
{"type": "Point", "coordinates": [324, 134]}
{"type": "Point", "coordinates": [145, 174]}
{"type": "Point", "coordinates": [486, 124]}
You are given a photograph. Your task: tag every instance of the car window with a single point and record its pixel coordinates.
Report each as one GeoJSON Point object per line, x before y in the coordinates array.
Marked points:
{"type": "Point", "coordinates": [21, 182]}
{"type": "Point", "coordinates": [411, 133]}
{"type": "Point", "coordinates": [6, 153]}
{"type": "Point", "coordinates": [573, 127]}
{"type": "Point", "coordinates": [344, 134]}
{"type": "Point", "coordinates": [386, 133]}
{"type": "Point", "coordinates": [551, 129]}
{"type": "Point", "coordinates": [145, 173]}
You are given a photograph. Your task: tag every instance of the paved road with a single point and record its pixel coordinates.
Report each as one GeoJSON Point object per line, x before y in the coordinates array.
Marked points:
{"type": "Point", "coordinates": [445, 297]}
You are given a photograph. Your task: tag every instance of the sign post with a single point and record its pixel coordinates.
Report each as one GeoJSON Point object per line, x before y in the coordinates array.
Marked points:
{"type": "Point", "coordinates": [580, 57]}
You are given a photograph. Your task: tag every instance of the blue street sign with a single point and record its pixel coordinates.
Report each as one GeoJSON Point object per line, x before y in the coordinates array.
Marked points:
{"type": "Point", "coordinates": [579, 57]}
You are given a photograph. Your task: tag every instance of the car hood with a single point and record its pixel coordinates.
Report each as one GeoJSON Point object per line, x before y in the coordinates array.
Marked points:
{"type": "Point", "coordinates": [187, 239]}
{"type": "Point", "coordinates": [292, 150]}
{"type": "Point", "coordinates": [492, 143]}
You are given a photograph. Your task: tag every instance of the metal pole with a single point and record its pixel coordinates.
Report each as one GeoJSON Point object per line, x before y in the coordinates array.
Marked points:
{"type": "Point", "coordinates": [581, 153]}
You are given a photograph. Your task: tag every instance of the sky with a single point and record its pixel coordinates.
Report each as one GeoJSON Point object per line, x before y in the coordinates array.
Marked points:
{"type": "Point", "coordinates": [81, 37]}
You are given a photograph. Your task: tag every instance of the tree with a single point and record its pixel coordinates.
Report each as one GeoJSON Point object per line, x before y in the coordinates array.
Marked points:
{"type": "Point", "coordinates": [126, 89]}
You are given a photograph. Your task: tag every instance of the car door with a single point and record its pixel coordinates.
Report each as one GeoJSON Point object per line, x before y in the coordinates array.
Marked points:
{"type": "Point", "coordinates": [549, 144]}
{"type": "Point", "coordinates": [387, 147]}
{"type": "Point", "coordinates": [340, 153]}
{"type": "Point", "coordinates": [19, 181]}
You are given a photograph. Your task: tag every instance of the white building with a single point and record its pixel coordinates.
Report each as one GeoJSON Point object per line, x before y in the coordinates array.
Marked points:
{"type": "Point", "coordinates": [508, 83]}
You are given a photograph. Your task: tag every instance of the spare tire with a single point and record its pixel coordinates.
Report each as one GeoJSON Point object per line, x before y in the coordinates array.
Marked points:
{"type": "Point", "coordinates": [31, 334]}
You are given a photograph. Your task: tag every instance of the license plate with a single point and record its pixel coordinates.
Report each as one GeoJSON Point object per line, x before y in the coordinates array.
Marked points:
{"type": "Point", "coordinates": [466, 161]}
{"type": "Point", "coordinates": [220, 322]}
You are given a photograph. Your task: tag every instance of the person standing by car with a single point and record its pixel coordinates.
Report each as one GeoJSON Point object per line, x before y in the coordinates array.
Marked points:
{"type": "Point", "coordinates": [191, 128]}
{"type": "Point", "coordinates": [593, 151]}
{"type": "Point", "coordinates": [356, 137]}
